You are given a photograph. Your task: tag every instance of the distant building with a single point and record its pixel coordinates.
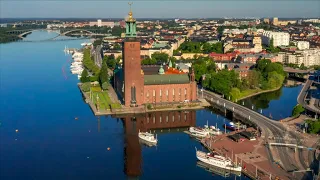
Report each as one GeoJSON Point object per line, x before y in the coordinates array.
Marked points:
{"type": "Point", "coordinates": [223, 57]}
{"type": "Point", "coordinates": [279, 38]}
{"type": "Point", "coordinates": [308, 57]}
{"type": "Point", "coordinates": [253, 58]}
{"type": "Point", "coordinates": [100, 23]}
{"type": "Point", "coordinates": [266, 20]}
{"type": "Point", "coordinates": [302, 45]}
{"type": "Point", "coordinates": [4, 25]}
{"type": "Point", "coordinates": [275, 21]}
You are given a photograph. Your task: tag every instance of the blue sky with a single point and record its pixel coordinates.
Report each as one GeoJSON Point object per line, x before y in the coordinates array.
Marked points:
{"type": "Point", "coordinates": [159, 9]}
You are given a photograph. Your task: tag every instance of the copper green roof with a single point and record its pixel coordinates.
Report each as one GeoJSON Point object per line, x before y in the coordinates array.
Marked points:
{"type": "Point", "coordinates": [156, 79]}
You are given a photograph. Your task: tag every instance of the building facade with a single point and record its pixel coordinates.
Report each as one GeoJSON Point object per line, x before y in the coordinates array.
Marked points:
{"type": "Point", "coordinates": [308, 57]}
{"type": "Point", "coordinates": [302, 45]}
{"type": "Point", "coordinates": [279, 38]}
{"type": "Point", "coordinates": [150, 84]}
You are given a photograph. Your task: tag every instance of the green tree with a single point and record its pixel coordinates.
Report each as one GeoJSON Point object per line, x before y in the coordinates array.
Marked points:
{"type": "Point", "coordinates": [111, 62]}
{"type": "Point", "coordinates": [105, 85]}
{"type": "Point", "coordinates": [235, 94]}
{"type": "Point", "coordinates": [253, 79]}
{"type": "Point", "coordinates": [160, 57]}
{"type": "Point", "coordinates": [297, 110]}
{"type": "Point", "coordinates": [84, 76]}
{"type": "Point", "coordinates": [104, 76]}
{"type": "Point", "coordinates": [292, 44]}
{"type": "Point", "coordinates": [313, 126]}
{"type": "Point", "coordinates": [86, 87]}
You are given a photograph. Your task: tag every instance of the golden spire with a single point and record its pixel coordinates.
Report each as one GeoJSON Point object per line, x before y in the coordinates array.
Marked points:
{"type": "Point", "coordinates": [130, 13]}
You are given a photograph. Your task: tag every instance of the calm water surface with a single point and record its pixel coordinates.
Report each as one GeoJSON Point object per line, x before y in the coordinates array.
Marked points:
{"type": "Point", "coordinates": [41, 103]}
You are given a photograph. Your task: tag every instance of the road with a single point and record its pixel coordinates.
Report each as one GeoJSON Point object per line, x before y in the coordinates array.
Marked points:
{"type": "Point", "coordinates": [96, 53]}
{"type": "Point", "coordinates": [270, 128]}
{"type": "Point", "coordinates": [302, 95]}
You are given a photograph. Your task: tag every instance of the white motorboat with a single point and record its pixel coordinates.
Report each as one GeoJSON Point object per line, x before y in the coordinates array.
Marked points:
{"type": "Point", "coordinates": [148, 137]}
{"type": "Point", "coordinates": [212, 130]}
{"type": "Point", "coordinates": [217, 160]}
{"type": "Point", "coordinates": [78, 71]}
{"type": "Point", "coordinates": [79, 76]}
{"type": "Point", "coordinates": [78, 59]}
{"type": "Point", "coordinates": [198, 132]}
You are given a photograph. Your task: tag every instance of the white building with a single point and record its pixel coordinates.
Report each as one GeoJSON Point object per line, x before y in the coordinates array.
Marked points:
{"type": "Point", "coordinates": [99, 23]}
{"type": "Point", "coordinates": [308, 57]}
{"type": "Point", "coordinates": [279, 38]}
{"type": "Point", "coordinates": [302, 45]}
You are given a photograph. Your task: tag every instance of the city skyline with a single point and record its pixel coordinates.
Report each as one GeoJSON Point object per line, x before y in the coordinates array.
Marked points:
{"type": "Point", "coordinates": [159, 9]}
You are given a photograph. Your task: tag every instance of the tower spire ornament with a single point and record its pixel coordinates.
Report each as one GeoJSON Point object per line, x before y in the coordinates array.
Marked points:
{"type": "Point", "coordinates": [130, 24]}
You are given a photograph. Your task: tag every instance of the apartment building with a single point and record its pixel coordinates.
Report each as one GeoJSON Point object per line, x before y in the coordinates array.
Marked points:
{"type": "Point", "coordinates": [308, 57]}
{"type": "Point", "coordinates": [279, 38]}
{"type": "Point", "coordinates": [302, 45]}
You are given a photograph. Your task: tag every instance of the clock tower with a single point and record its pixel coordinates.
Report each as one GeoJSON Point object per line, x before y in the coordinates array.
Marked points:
{"type": "Point", "coordinates": [133, 75]}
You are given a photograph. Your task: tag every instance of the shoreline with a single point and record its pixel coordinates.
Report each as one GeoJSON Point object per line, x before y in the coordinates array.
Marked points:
{"type": "Point", "coordinates": [260, 92]}
{"type": "Point", "coordinates": [137, 110]}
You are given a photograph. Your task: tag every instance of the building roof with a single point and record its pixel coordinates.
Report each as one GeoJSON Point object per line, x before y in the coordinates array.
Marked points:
{"type": "Point", "coordinates": [166, 79]}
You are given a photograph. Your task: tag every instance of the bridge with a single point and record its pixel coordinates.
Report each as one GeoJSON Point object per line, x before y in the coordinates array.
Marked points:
{"type": "Point", "coordinates": [302, 97]}
{"type": "Point", "coordinates": [296, 71]}
{"type": "Point", "coordinates": [291, 145]}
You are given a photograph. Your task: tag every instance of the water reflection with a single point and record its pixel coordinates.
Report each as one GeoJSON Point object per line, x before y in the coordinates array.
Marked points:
{"type": "Point", "coordinates": [216, 170]}
{"type": "Point", "coordinates": [158, 122]}
{"type": "Point", "coordinates": [277, 104]}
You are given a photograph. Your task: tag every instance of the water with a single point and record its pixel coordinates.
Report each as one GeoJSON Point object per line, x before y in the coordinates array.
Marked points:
{"type": "Point", "coordinates": [277, 104]}
{"type": "Point", "coordinates": [41, 103]}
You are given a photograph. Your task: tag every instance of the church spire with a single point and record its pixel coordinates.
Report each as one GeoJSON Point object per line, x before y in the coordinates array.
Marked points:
{"type": "Point", "coordinates": [130, 24]}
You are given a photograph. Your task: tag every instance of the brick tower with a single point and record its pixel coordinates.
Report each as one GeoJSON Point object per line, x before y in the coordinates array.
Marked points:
{"type": "Point", "coordinates": [133, 76]}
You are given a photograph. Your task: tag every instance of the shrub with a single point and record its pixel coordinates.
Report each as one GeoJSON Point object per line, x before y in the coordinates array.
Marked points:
{"type": "Point", "coordinates": [297, 110]}
{"type": "Point", "coordinates": [149, 106]}
{"type": "Point", "coordinates": [105, 85]}
{"type": "Point", "coordinates": [86, 87]}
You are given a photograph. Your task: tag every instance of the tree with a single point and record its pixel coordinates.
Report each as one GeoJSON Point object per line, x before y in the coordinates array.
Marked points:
{"type": "Point", "coordinates": [97, 42]}
{"type": "Point", "coordinates": [104, 76]}
{"type": "Point", "coordinates": [235, 94]}
{"type": "Point", "coordinates": [313, 126]}
{"type": "Point", "coordinates": [292, 44]}
{"type": "Point", "coordinates": [84, 76]}
{"type": "Point", "coordinates": [86, 87]}
{"type": "Point", "coordinates": [253, 79]}
{"type": "Point", "coordinates": [111, 62]}
{"type": "Point", "coordinates": [105, 85]}
{"type": "Point", "coordinates": [160, 57]}
{"type": "Point", "coordinates": [297, 110]}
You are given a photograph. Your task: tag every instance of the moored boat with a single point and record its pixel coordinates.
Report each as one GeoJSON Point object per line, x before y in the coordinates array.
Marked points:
{"type": "Point", "coordinates": [212, 130]}
{"type": "Point", "coordinates": [148, 137]}
{"type": "Point", "coordinates": [233, 127]}
{"type": "Point", "coordinates": [198, 132]}
{"type": "Point", "coordinates": [217, 160]}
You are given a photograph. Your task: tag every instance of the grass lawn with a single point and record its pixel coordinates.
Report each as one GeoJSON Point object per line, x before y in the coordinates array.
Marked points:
{"type": "Point", "coordinates": [248, 92]}
{"type": "Point", "coordinates": [104, 99]}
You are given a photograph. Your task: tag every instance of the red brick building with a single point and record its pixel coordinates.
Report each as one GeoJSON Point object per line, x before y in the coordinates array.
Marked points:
{"type": "Point", "coordinates": [161, 85]}
{"type": "Point", "coordinates": [223, 57]}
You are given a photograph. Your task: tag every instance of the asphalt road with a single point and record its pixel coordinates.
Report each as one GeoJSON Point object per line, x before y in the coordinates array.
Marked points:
{"type": "Point", "coordinates": [302, 95]}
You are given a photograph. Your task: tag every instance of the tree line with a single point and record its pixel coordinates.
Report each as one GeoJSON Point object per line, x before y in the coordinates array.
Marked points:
{"type": "Point", "coordinates": [264, 76]}
{"type": "Point", "coordinates": [200, 47]}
